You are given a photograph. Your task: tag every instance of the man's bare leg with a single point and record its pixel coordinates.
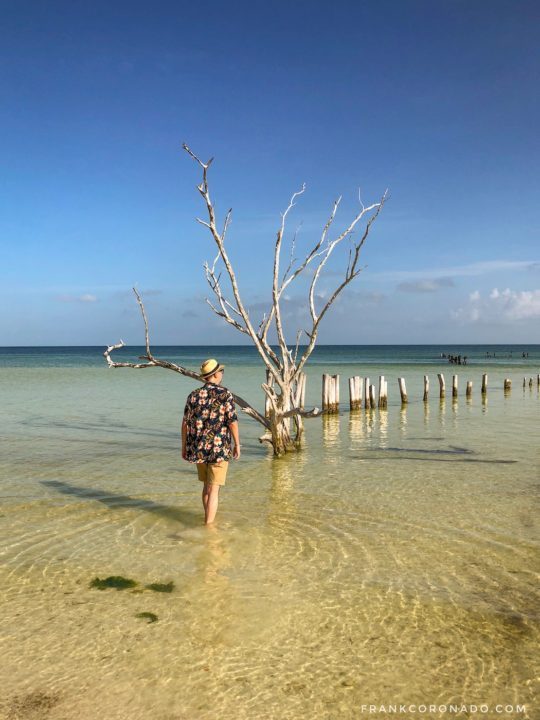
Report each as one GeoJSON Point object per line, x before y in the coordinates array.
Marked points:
{"type": "Point", "coordinates": [211, 504]}
{"type": "Point", "coordinates": [205, 495]}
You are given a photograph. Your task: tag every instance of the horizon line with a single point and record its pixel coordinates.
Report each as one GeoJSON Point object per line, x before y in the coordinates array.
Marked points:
{"type": "Point", "coordinates": [248, 345]}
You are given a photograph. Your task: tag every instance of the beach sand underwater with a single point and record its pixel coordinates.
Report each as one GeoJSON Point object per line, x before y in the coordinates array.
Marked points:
{"type": "Point", "coordinates": [392, 561]}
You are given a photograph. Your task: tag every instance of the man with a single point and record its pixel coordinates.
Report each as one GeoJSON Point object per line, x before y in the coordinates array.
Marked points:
{"type": "Point", "coordinates": [209, 421]}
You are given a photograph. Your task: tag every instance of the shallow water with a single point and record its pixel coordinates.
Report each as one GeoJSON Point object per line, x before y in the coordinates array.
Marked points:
{"type": "Point", "coordinates": [393, 560]}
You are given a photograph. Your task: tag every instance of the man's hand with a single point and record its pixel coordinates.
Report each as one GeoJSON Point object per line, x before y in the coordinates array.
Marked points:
{"type": "Point", "coordinates": [236, 439]}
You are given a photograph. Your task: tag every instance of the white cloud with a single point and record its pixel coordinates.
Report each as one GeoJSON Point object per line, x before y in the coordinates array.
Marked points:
{"type": "Point", "coordinates": [453, 271]}
{"type": "Point", "coordinates": [86, 298]}
{"type": "Point", "coordinates": [500, 305]}
{"type": "Point", "coordinates": [523, 304]}
{"type": "Point", "coordinates": [426, 286]}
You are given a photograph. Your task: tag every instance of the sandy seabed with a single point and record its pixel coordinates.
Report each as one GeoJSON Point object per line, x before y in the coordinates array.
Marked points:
{"type": "Point", "coordinates": [394, 560]}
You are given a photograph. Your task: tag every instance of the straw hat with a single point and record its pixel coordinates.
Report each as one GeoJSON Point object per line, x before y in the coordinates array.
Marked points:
{"type": "Point", "coordinates": [209, 367]}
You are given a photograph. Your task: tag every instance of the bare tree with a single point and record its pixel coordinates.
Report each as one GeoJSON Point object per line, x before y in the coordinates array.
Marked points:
{"type": "Point", "coordinates": [285, 379]}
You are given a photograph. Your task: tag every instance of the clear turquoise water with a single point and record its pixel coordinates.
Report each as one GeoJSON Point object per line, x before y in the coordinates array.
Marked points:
{"type": "Point", "coordinates": [486, 356]}
{"type": "Point", "coordinates": [395, 558]}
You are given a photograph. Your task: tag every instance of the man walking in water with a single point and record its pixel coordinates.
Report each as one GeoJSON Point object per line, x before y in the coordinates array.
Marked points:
{"type": "Point", "coordinates": [209, 422]}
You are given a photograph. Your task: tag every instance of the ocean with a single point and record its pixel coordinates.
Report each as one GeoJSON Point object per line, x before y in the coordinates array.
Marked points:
{"type": "Point", "coordinates": [393, 560]}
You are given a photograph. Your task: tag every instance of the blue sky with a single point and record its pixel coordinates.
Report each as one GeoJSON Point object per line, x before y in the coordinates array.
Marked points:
{"type": "Point", "coordinates": [438, 101]}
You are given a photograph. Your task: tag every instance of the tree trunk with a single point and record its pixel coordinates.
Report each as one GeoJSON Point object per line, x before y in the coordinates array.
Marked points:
{"type": "Point", "coordinates": [280, 435]}
{"type": "Point", "coordinates": [281, 438]}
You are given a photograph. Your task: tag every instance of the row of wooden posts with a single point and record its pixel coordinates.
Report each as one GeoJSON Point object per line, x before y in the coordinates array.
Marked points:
{"type": "Point", "coordinates": [362, 391]}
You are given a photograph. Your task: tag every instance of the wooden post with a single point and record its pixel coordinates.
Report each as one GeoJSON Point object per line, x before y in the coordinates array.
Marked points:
{"type": "Point", "coordinates": [381, 391]}
{"type": "Point", "coordinates": [524, 382]}
{"type": "Point", "coordinates": [403, 391]}
{"type": "Point", "coordinates": [331, 393]}
{"type": "Point", "coordinates": [454, 386]}
{"type": "Point", "coordinates": [484, 383]}
{"type": "Point", "coordinates": [358, 385]}
{"type": "Point", "coordinates": [426, 387]}
{"type": "Point", "coordinates": [355, 397]}
{"type": "Point", "coordinates": [468, 391]}
{"type": "Point", "coordinates": [325, 391]}
{"type": "Point", "coordinates": [367, 400]}
{"type": "Point", "coordinates": [372, 396]}
{"type": "Point", "coordinates": [336, 393]}
{"type": "Point", "coordinates": [441, 385]}
{"type": "Point", "coordinates": [538, 381]}
{"type": "Point", "coordinates": [530, 383]}
{"type": "Point", "coordinates": [507, 384]}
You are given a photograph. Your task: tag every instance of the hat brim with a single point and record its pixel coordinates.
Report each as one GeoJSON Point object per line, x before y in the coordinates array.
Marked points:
{"type": "Point", "coordinates": [213, 372]}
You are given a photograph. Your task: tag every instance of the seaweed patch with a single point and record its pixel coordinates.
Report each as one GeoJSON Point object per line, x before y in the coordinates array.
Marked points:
{"type": "Point", "coordinates": [151, 617]}
{"type": "Point", "coordinates": [113, 581]}
{"type": "Point", "coordinates": [161, 587]}
{"type": "Point", "coordinates": [33, 705]}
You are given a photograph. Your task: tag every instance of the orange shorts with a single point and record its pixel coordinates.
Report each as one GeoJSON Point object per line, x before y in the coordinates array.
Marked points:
{"type": "Point", "coordinates": [213, 473]}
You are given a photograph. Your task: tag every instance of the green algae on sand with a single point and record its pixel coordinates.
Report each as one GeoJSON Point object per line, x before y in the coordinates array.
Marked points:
{"type": "Point", "coordinates": [161, 587]}
{"type": "Point", "coordinates": [113, 581]}
{"type": "Point", "coordinates": [151, 617]}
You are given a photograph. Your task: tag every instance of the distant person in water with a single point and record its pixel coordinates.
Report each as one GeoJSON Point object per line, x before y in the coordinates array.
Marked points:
{"type": "Point", "coordinates": [209, 424]}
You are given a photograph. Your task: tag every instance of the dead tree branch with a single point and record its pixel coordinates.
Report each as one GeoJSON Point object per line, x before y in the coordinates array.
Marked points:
{"type": "Point", "coordinates": [284, 367]}
{"type": "Point", "coordinates": [203, 188]}
{"type": "Point", "coordinates": [351, 272]}
{"type": "Point", "coordinates": [152, 361]}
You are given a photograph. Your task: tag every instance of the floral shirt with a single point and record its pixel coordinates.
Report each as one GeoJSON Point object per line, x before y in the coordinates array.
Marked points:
{"type": "Point", "coordinates": [208, 413]}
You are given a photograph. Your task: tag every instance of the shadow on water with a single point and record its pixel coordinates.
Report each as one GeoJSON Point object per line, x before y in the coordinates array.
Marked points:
{"type": "Point", "coordinates": [103, 426]}
{"type": "Point", "coordinates": [453, 450]}
{"type": "Point", "coordinates": [112, 501]}
{"type": "Point", "coordinates": [446, 460]}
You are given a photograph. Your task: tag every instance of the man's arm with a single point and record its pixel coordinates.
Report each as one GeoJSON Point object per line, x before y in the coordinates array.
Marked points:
{"type": "Point", "coordinates": [184, 437]}
{"type": "Point", "coordinates": [236, 437]}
